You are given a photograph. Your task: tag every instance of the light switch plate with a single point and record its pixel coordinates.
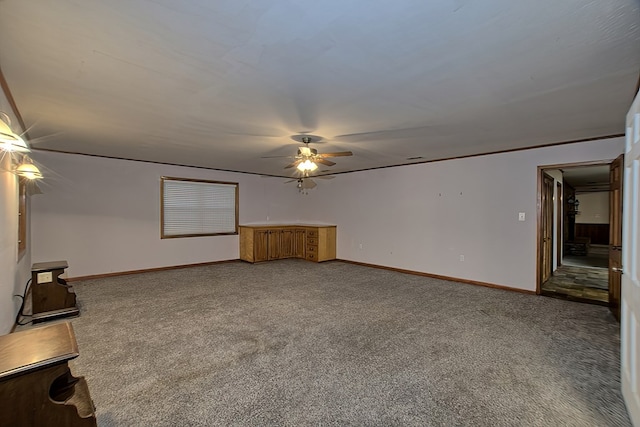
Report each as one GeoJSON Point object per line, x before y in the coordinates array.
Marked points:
{"type": "Point", "coordinates": [45, 277]}
{"type": "Point", "coordinates": [521, 216]}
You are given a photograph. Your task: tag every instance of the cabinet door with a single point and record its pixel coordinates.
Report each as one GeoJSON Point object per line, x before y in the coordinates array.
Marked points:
{"type": "Point", "coordinates": [274, 244]}
{"type": "Point", "coordinates": [300, 243]}
{"type": "Point", "coordinates": [260, 245]}
{"type": "Point", "coordinates": [287, 243]}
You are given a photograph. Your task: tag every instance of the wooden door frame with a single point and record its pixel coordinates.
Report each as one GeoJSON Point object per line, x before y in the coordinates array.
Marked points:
{"type": "Point", "coordinates": [539, 210]}
{"type": "Point", "coordinates": [548, 189]}
{"type": "Point", "coordinates": [616, 234]}
{"type": "Point", "coordinates": [559, 222]}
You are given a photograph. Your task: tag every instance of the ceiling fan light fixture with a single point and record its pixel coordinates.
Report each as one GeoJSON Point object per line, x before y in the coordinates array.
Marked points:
{"type": "Point", "coordinates": [10, 141]}
{"type": "Point", "coordinates": [307, 166]}
{"type": "Point", "coordinates": [27, 169]}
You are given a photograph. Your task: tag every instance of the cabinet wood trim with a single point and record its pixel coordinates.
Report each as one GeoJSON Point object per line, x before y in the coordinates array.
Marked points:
{"type": "Point", "coordinates": [270, 242]}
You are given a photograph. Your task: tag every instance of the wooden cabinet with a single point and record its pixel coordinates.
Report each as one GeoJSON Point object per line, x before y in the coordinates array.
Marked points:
{"type": "Point", "coordinates": [51, 296]}
{"type": "Point", "coordinates": [287, 242]}
{"type": "Point", "coordinates": [274, 244]}
{"type": "Point", "coordinates": [269, 242]}
{"type": "Point", "coordinates": [260, 245]}
{"type": "Point", "coordinates": [300, 243]}
{"type": "Point", "coordinates": [36, 385]}
{"type": "Point", "coordinates": [321, 244]}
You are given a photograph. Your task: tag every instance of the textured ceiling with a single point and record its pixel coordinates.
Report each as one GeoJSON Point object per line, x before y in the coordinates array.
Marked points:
{"type": "Point", "coordinates": [222, 83]}
{"type": "Point", "coordinates": [587, 178]}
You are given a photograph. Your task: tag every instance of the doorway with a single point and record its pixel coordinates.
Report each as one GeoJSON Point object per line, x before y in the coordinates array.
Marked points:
{"type": "Point", "coordinates": [574, 232]}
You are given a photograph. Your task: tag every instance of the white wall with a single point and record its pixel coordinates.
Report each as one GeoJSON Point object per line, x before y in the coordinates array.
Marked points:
{"type": "Point", "coordinates": [423, 217]}
{"type": "Point", "coordinates": [14, 272]}
{"type": "Point", "coordinates": [594, 208]}
{"type": "Point", "coordinates": [103, 215]}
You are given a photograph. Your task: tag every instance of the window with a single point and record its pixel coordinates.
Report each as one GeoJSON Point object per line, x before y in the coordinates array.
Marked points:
{"type": "Point", "coordinates": [191, 207]}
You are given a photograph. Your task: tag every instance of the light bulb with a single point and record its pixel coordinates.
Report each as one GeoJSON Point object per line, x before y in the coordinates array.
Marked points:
{"type": "Point", "coordinates": [307, 165]}
{"type": "Point", "coordinates": [28, 170]}
{"type": "Point", "coordinates": [9, 141]}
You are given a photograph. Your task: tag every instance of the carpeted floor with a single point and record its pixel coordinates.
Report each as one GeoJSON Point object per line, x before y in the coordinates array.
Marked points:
{"type": "Point", "coordinates": [293, 343]}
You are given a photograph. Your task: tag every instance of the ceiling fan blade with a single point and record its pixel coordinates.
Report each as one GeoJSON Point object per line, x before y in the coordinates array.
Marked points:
{"type": "Point", "coordinates": [293, 165]}
{"type": "Point", "coordinates": [309, 183]}
{"type": "Point", "coordinates": [338, 154]}
{"type": "Point", "coordinates": [324, 177]}
{"type": "Point", "coordinates": [323, 161]}
{"type": "Point", "coordinates": [291, 180]}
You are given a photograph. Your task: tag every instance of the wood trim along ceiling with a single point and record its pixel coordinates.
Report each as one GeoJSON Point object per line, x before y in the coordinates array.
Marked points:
{"type": "Point", "coordinates": [553, 144]}
{"type": "Point", "coordinates": [153, 162]}
{"type": "Point", "coordinates": [437, 276]}
{"type": "Point", "coordinates": [12, 103]}
{"type": "Point", "coordinates": [489, 153]}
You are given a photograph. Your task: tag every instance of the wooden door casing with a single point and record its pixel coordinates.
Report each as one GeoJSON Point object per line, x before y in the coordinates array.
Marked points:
{"type": "Point", "coordinates": [559, 201]}
{"type": "Point", "coordinates": [547, 228]}
{"type": "Point", "coordinates": [615, 234]}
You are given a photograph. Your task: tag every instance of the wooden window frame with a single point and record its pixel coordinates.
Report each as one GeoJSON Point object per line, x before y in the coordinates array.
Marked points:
{"type": "Point", "coordinates": [162, 198]}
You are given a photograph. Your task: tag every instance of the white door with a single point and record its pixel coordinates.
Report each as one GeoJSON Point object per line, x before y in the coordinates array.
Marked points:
{"type": "Point", "coordinates": [630, 301]}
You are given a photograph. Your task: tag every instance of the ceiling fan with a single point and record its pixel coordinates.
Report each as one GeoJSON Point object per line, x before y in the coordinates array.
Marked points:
{"type": "Point", "coordinates": [307, 159]}
{"type": "Point", "coordinates": [304, 184]}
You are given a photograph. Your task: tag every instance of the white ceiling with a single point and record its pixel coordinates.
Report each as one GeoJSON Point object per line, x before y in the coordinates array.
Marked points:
{"type": "Point", "coordinates": [585, 179]}
{"type": "Point", "coordinates": [222, 83]}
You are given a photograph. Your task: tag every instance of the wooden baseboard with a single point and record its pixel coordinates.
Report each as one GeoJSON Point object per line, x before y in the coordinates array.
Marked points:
{"type": "Point", "coordinates": [147, 270]}
{"type": "Point", "coordinates": [437, 276]}
{"type": "Point", "coordinates": [382, 267]}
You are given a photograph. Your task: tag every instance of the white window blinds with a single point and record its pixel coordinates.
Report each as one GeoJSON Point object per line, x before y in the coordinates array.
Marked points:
{"type": "Point", "coordinates": [198, 208]}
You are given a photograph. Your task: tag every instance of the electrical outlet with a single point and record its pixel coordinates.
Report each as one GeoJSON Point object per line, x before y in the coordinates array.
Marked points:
{"type": "Point", "coordinates": [521, 216]}
{"type": "Point", "coordinates": [461, 257]}
{"type": "Point", "coordinates": [45, 277]}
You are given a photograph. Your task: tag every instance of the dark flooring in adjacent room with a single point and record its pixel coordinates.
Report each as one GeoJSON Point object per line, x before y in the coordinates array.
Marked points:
{"type": "Point", "coordinates": [581, 278]}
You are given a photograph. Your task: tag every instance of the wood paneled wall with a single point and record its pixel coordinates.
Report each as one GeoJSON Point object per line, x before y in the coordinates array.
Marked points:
{"type": "Point", "coordinates": [599, 233]}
